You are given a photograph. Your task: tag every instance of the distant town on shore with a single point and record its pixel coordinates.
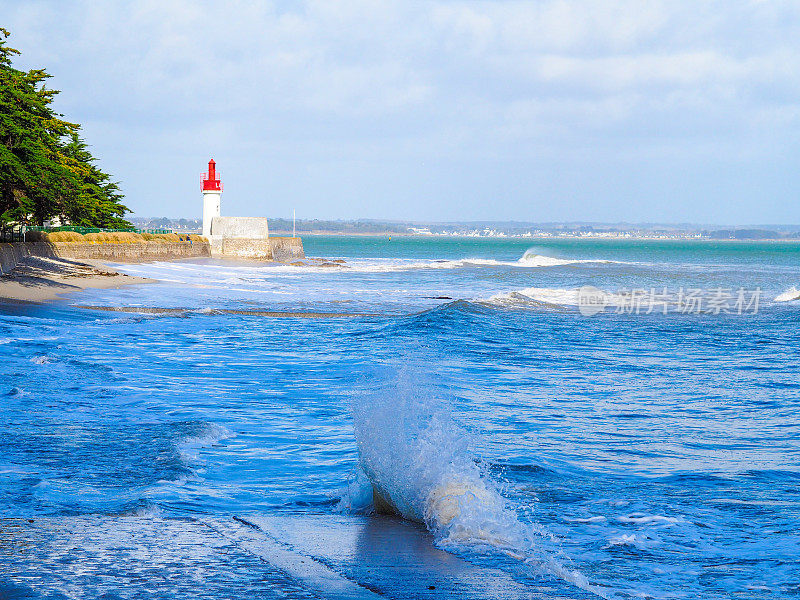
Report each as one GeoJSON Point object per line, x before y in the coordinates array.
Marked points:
{"type": "Point", "coordinates": [501, 229]}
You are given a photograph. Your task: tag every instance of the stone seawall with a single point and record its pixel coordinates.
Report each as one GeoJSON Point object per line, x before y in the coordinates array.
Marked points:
{"type": "Point", "coordinates": [141, 252]}
{"type": "Point", "coordinates": [285, 249]}
{"type": "Point", "coordinates": [11, 254]}
{"type": "Point", "coordinates": [242, 248]}
{"type": "Point", "coordinates": [282, 249]}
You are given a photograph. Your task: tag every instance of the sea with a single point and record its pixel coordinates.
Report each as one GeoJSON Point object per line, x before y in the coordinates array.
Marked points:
{"type": "Point", "coordinates": [620, 418]}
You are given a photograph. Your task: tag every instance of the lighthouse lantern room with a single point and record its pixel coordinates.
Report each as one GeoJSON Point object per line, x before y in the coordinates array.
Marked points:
{"type": "Point", "coordinates": [211, 186]}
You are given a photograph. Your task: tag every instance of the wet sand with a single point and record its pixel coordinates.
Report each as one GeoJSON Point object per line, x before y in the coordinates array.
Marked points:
{"type": "Point", "coordinates": [44, 279]}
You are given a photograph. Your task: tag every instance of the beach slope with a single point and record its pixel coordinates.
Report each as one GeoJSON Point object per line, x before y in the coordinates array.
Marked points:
{"type": "Point", "coordinates": [37, 279]}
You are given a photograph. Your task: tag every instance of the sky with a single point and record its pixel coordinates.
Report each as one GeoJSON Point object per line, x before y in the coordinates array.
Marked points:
{"type": "Point", "coordinates": [563, 110]}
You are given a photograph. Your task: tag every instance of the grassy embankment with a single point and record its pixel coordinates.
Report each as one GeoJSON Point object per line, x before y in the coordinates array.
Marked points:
{"type": "Point", "coordinates": [111, 237]}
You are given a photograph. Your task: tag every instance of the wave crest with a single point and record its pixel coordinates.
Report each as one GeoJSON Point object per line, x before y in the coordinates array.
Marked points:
{"type": "Point", "coordinates": [551, 297]}
{"type": "Point", "coordinates": [789, 295]}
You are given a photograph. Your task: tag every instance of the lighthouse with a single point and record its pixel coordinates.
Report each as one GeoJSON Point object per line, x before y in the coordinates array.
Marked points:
{"type": "Point", "coordinates": [240, 237]}
{"type": "Point", "coordinates": [211, 187]}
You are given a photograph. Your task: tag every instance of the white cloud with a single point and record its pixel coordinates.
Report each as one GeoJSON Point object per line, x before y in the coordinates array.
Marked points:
{"type": "Point", "coordinates": [453, 82]}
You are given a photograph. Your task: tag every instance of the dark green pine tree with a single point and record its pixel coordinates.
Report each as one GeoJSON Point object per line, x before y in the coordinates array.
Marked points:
{"type": "Point", "coordinates": [46, 170]}
{"type": "Point", "coordinates": [97, 202]}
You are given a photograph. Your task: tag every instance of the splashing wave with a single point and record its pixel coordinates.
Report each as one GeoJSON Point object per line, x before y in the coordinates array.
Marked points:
{"type": "Point", "coordinates": [415, 460]}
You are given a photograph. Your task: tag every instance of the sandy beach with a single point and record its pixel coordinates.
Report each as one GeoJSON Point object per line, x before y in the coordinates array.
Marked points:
{"type": "Point", "coordinates": [44, 279]}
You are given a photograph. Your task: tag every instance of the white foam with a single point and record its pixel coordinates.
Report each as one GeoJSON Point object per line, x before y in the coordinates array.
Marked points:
{"type": "Point", "coordinates": [639, 541]}
{"type": "Point", "coordinates": [189, 448]}
{"type": "Point", "coordinates": [565, 297]}
{"type": "Point", "coordinates": [595, 519]}
{"type": "Point", "coordinates": [640, 519]}
{"type": "Point", "coordinates": [230, 274]}
{"type": "Point", "coordinates": [534, 260]}
{"type": "Point", "coordinates": [531, 259]}
{"type": "Point", "coordinates": [392, 265]}
{"type": "Point", "coordinates": [626, 539]}
{"type": "Point", "coordinates": [569, 297]}
{"type": "Point", "coordinates": [789, 295]}
{"type": "Point", "coordinates": [556, 296]}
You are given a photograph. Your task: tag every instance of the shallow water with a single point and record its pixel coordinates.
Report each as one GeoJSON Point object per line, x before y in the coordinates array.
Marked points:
{"type": "Point", "coordinates": [623, 454]}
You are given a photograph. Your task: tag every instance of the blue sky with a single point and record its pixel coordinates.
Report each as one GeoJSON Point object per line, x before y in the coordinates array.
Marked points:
{"type": "Point", "coordinates": [539, 111]}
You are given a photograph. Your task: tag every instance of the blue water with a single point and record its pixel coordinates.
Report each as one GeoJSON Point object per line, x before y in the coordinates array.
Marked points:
{"type": "Point", "coordinates": [634, 455]}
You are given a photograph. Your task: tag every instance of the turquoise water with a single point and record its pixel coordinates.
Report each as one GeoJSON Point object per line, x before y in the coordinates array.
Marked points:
{"type": "Point", "coordinates": [630, 453]}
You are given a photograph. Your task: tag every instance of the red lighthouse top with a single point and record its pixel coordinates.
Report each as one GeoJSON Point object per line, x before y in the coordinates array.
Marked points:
{"type": "Point", "coordinates": [210, 180]}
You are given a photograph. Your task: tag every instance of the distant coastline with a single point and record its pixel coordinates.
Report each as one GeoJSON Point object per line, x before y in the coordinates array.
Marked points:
{"type": "Point", "coordinates": [632, 237]}
{"type": "Point", "coordinates": [506, 229]}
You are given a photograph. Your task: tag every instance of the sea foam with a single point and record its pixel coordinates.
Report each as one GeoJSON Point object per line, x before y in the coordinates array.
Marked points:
{"type": "Point", "coordinates": [233, 274]}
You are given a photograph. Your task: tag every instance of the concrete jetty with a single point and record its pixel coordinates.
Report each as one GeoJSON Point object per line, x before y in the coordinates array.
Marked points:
{"type": "Point", "coordinates": [334, 557]}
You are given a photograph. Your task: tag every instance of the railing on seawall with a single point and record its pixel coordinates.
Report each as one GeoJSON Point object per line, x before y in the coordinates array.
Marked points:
{"type": "Point", "coordinates": [18, 233]}
{"type": "Point", "coordinates": [85, 230]}
{"type": "Point", "coordinates": [12, 234]}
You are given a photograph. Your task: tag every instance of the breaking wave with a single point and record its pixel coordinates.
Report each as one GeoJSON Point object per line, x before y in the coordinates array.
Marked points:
{"type": "Point", "coordinates": [531, 259]}
{"type": "Point", "coordinates": [558, 297]}
{"type": "Point", "coordinates": [536, 295]}
{"type": "Point", "coordinates": [206, 434]}
{"type": "Point", "coordinates": [234, 274]}
{"type": "Point", "coordinates": [789, 295]}
{"type": "Point", "coordinates": [528, 260]}
{"type": "Point", "coordinates": [416, 460]}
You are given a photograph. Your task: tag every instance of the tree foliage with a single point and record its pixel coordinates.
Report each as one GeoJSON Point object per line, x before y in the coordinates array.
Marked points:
{"type": "Point", "coordinates": [46, 169]}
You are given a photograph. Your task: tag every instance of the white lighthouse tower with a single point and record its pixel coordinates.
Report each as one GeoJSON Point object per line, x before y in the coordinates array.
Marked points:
{"type": "Point", "coordinates": [211, 186]}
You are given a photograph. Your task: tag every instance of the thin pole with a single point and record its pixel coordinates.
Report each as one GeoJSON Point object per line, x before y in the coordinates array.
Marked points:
{"type": "Point", "coordinates": [294, 215]}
